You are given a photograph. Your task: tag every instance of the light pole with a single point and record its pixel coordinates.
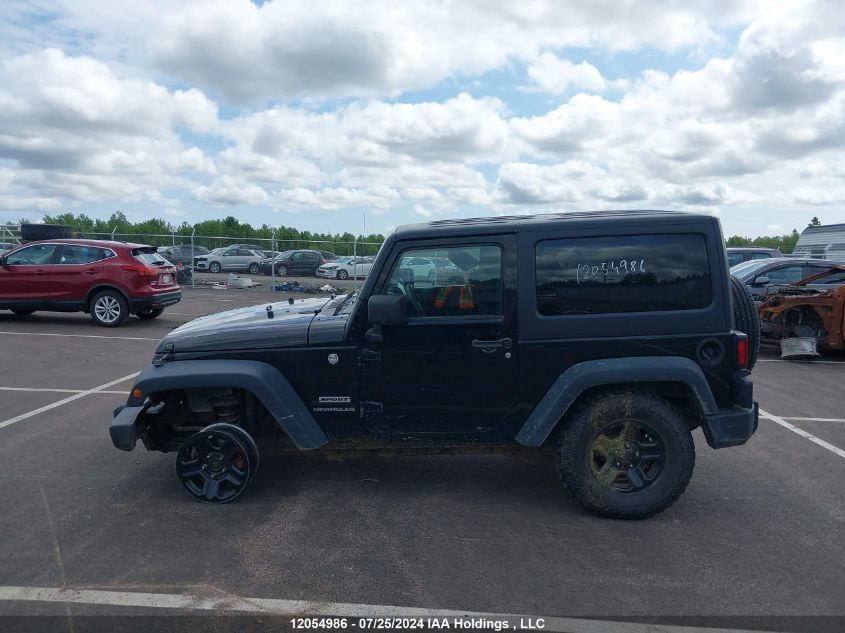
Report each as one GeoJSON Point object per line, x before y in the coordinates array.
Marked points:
{"type": "Point", "coordinates": [193, 283]}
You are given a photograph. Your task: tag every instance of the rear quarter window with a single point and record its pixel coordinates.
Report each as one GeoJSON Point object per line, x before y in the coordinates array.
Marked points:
{"type": "Point", "coordinates": [631, 273]}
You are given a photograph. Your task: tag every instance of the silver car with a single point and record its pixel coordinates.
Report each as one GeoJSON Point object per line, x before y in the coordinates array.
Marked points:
{"type": "Point", "coordinates": [232, 258]}
{"type": "Point", "coordinates": [346, 267]}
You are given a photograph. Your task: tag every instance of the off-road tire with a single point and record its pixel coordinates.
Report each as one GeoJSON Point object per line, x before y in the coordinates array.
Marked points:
{"type": "Point", "coordinates": [281, 271]}
{"type": "Point", "coordinates": [253, 268]}
{"type": "Point", "coordinates": [583, 423]}
{"type": "Point", "coordinates": [36, 232]}
{"type": "Point", "coordinates": [215, 267]}
{"type": "Point", "coordinates": [99, 313]}
{"type": "Point", "coordinates": [148, 315]}
{"type": "Point", "coordinates": [20, 312]}
{"type": "Point", "coordinates": [342, 274]}
{"type": "Point", "coordinates": [746, 319]}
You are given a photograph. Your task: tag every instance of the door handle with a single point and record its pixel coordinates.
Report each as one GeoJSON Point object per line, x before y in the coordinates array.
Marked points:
{"type": "Point", "coordinates": [40, 271]}
{"type": "Point", "coordinates": [485, 345]}
{"type": "Point", "coordinates": [91, 271]}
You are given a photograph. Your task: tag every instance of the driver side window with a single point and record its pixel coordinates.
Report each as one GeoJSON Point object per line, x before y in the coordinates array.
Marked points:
{"type": "Point", "coordinates": [450, 282]}
{"type": "Point", "coordinates": [36, 255]}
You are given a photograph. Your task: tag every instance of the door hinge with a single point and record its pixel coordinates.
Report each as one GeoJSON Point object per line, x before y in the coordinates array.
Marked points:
{"type": "Point", "coordinates": [370, 408]}
{"type": "Point", "coordinates": [368, 355]}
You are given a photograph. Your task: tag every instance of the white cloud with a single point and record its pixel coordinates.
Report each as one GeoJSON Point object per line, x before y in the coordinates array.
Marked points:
{"type": "Point", "coordinates": [13, 203]}
{"type": "Point", "coordinates": [279, 50]}
{"type": "Point", "coordinates": [376, 198]}
{"type": "Point", "coordinates": [319, 113]}
{"type": "Point", "coordinates": [227, 190]}
{"type": "Point", "coordinates": [557, 76]}
{"type": "Point", "coordinates": [76, 130]}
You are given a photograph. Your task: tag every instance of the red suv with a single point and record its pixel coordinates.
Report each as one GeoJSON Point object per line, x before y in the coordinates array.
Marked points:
{"type": "Point", "coordinates": [109, 280]}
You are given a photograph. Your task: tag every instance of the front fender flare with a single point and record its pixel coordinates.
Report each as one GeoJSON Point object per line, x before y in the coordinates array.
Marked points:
{"type": "Point", "coordinates": [581, 376]}
{"type": "Point", "coordinates": [263, 380]}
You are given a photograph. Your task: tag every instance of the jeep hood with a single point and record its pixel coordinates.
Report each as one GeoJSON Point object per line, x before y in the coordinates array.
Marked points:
{"type": "Point", "coordinates": [246, 328]}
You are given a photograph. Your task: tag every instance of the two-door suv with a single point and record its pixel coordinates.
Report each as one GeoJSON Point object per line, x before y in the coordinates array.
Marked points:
{"type": "Point", "coordinates": [604, 339]}
{"type": "Point", "coordinates": [109, 280]}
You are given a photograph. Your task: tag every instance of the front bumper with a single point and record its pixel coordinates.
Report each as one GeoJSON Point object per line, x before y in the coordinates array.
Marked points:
{"type": "Point", "coordinates": [122, 428]}
{"type": "Point", "coordinates": [327, 274]}
{"type": "Point", "coordinates": [734, 425]}
{"type": "Point", "coordinates": [153, 302]}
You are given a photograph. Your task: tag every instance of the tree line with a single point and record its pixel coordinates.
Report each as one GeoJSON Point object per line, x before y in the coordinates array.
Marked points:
{"type": "Point", "coordinates": [229, 227]}
{"type": "Point", "coordinates": [784, 243]}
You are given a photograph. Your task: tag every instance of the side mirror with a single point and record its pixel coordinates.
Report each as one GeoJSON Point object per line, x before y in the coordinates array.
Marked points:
{"type": "Point", "coordinates": [388, 309]}
{"type": "Point", "coordinates": [761, 281]}
{"type": "Point", "coordinates": [2, 260]}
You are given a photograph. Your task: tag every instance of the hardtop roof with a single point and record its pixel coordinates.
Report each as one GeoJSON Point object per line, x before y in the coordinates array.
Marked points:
{"type": "Point", "coordinates": [515, 223]}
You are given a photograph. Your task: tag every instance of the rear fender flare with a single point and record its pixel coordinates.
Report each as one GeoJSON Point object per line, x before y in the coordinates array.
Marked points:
{"type": "Point", "coordinates": [582, 376]}
{"type": "Point", "coordinates": [263, 380]}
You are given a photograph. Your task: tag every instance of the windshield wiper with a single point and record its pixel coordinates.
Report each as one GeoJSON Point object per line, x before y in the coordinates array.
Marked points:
{"type": "Point", "coordinates": [346, 300]}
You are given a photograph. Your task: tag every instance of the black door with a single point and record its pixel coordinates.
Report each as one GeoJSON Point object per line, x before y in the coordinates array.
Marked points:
{"type": "Point", "coordinates": [313, 259]}
{"type": "Point", "coordinates": [453, 367]}
{"type": "Point", "coordinates": [298, 263]}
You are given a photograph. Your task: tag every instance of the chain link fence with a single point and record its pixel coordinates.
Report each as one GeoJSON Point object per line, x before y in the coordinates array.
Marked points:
{"type": "Point", "coordinates": [201, 259]}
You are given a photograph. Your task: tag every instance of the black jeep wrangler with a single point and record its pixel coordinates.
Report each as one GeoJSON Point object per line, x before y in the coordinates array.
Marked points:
{"type": "Point", "coordinates": [601, 338]}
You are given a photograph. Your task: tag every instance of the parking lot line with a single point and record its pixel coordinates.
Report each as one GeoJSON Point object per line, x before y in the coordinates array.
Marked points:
{"type": "Point", "coordinates": [229, 604]}
{"type": "Point", "coordinates": [777, 420]}
{"type": "Point", "coordinates": [76, 396]}
{"type": "Point", "coordinates": [119, 338]}
{"type": "Point", "coordinates": [806, 362]}
{"type": "Point", "coordinates": [800, 419]}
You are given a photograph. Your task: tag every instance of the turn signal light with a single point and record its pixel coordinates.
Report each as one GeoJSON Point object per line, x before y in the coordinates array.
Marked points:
{"type": "Point", "coordinates": [741, 351]}
{"type": "Point", "coordinates": [137, 393]}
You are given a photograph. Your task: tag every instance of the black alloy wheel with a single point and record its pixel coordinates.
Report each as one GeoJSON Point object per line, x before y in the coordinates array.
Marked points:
{"type": "Point", "coordinates": [246, 439]}
{"type": "Point", "coordinates": [213, 465]}
{"type": "Point", "coordinates": [627, 455]}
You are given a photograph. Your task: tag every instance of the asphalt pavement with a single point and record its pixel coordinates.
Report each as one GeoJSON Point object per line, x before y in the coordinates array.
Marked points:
{"type": "Point", "coordinates": [755, 540]}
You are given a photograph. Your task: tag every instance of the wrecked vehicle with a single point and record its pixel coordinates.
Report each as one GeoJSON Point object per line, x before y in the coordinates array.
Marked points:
{"type": "Point", "coordinates": [603, 339]}
{"type": "Point", "coordinates": [807, 312]}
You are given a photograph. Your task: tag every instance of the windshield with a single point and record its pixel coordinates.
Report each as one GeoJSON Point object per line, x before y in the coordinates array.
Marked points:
{"type": "Point", "coordinates": [746, 270]}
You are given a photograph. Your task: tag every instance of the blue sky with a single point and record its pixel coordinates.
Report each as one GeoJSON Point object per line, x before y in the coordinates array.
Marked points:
{"type": "Point", "coordinates": [310, 115]}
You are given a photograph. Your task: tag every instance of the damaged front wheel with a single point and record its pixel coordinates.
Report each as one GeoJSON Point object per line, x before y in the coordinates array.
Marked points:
{"type": "Point", "coordinates": [216, 464]}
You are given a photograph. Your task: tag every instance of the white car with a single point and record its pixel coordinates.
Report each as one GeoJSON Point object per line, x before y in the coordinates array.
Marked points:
{"type": "Point", "coordinates": [433, 269]}
{"type": "Point", "coordinates": [346, 267]}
